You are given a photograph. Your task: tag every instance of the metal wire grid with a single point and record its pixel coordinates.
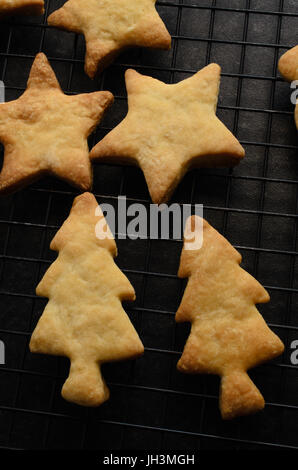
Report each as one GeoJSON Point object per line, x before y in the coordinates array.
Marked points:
{"type": "Point", "coordinates": [26, 422]}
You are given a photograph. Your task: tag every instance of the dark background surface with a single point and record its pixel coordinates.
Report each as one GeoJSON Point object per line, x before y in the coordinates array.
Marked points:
{"type": "Point", "coordinates": [152, 406]}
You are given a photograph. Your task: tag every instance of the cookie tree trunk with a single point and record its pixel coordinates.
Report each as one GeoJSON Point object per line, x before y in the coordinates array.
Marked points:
{"type": "Point", "coordinates": [84, 319]}
{"type": "Point", "coordinates": [228, 334]}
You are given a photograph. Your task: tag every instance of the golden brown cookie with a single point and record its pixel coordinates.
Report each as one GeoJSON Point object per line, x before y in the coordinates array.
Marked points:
{"type": "Point", "coordinates": [84, 319]}
{"type": "Point", "coordinates": [228, 334]}
{"type": "Point", "coordinates": [24, 7]}
{"type": "Point", "coordinates": [45, 131]}
{"type": "Point", "coordinates": [170, 129]}
{"type": "Point", "coordinates": [288, 67]}
{"type": "Point", "coordinates": [110, 26]}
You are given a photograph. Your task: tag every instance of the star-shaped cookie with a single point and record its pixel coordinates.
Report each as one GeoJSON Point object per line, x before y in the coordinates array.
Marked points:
{"type": "Point", "coordinates": [30, 7]}
{"type": "Point", "coordinates": [45, 131]}
{"type": "Point", "coordinates": [288, 67]}
{"type": "Point", "coordinates": [110, 26]}
{"type": "Point", "coordinates": [170, 129]}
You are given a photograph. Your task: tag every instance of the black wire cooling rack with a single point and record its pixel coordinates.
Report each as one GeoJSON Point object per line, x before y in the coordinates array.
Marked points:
{"type": "Point", "coordinates": [152, 406]}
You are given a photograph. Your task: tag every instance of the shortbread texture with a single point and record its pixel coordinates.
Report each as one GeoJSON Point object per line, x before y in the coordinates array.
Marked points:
{"type": "Point", "coordinates": [30, 7]}
{"type": "Point", "coordinates": [84, 319]}
{"type": "Point", "coordinates": [228, 334]}
{"type": "Point", "coordinates": [45, 131]}
{"type": "Point", "coordinates": [110, 26]}
{"type": "Point", "coordinates": [170, 129]}
{"type": "Point", "coordinates": [288, 67]}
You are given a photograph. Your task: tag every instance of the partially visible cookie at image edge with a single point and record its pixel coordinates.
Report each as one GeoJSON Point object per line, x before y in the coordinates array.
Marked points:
{"type": "Point", "coordinates": [288, 67]}
{"type": "Point", "coordinates": [24, 7]}
{"type": "Point", "coordinates": [111, 26]}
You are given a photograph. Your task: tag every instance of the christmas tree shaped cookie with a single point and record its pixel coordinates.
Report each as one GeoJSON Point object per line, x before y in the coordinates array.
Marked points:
{"type": "Point", "coordinates": [110, 26]}
{"type": "Point", "coordinates": [288, 67]}
{"type": "Point", "coordinates": [30, 7]}
{"type": "Point", "coordinates": [170, 129]}
{"type": "Point", "coordinates": [228, 334]}
{"type": "Point", "coordinates": [84, 319]}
